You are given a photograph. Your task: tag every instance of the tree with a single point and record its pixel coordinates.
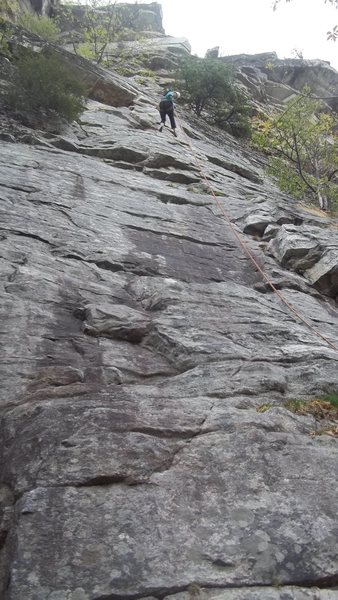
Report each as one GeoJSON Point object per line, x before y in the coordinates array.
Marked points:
{"type": "Point", "coordinates": [208, 86]}
{"type": "Point", "coordinates": [233, 115]}
{"type": "Point", "coordinates": [303, 143]}
{"type": "Point", "coordinates": [5, 33]}
{"type": "Point", "coordinates": [204, 81]}
{"type": "Point", "coordinates": [99, 25]}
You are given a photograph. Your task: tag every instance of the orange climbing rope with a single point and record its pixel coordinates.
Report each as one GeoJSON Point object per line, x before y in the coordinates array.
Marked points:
{"type": "Point", "coordinates": [249, 254]}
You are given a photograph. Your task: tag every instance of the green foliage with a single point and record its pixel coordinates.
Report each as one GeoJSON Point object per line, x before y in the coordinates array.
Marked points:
{"type": "Point", "coordinates": [204, 81]}
{"type": "Point", "coordinates": [85, 50]}
{"type": "Point", "coordinates": [99, 25]}
{"type": "Point", "coordinates": [146, 73]}
{"type": "Point", "coordinates": [307, 406]}
{"type": "Point", "coordinates": [43, 83]}
{"type": "Point", "coordinates": [262, 408]}
{"type": "Point", "coordinates": [233, 115]}
{"type": "Point", "coordinates": [269, 65]}
{"type": "Point", "coordinates": [303, 143]}
{"type": "Point", "coordinates": [208, 86]}
{"type": "Point", "coordinates": [288, 179]}
{"type": "Point", "coordinates": [42, 26]}
{"type": "Point", "coordinates": [9, 8]}
{"type": "Point", "coordinates": [129, 63]}
{"type": "Point", "coordinates": [295, 405]}
{"type": "Point", "coordinates": [325, 407]}
{"type": "Point", "coordinates": [332, 399]}
{"type": "Point", "coordinates": [11, 12]}
{"type": "Point", "coordinates": [5, 33]}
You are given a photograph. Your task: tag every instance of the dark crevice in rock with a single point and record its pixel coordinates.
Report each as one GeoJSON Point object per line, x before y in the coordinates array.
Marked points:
{"type": "Point", "coordinates": [124, 165]}
{"type": "Point", "coordinates": [264, 288]}
{"type": "Point", "coordinates": [167, 161]}
{"type": "Point", "coordinates": [102, 480]}
{"type": "Point", "coordinates": [191, 134]}
{"type": "Point", "coordinates": [326, 582]}
{"type": "Point", "coordinates": [222, 564]}
{"type": "Point", "coordinates": [26, 189]}
{"type": "Point", "coordinates": [167, 199]}
{"type": "Point", "coordinates": [144, 270]}
{"type": "Point", "coordinates": [68, 444]}
{"type": "Point", "coordinates": [125, 267]}
{"type": "Point", "coordinates": [147, 216]}
{"type": "Point", "coordinates": [3, 537]}
{"type": "Point", "coordinates": [66, 214]}
{"type": "Point", "coordinates": [166, 433]}
{"type": "Point", "coordinates": [158, 593]}
{"type": "Point", "coordinates": [121, 333]}
{"type": "Point", "coordinates": [171, 234]}
{"type": "Point", "coordinates": [173, 176]}
{"type": "Point", "coordinates": [89, 124]}
{"type": "Point", "coordinates": [108, 480]}
{"type": "Point", "coordinates": [32, 236]}
{"type": "Point", "coordinates": [74, 257]}
{"type": "Point", "coordinates": [161, 593]}
{"type": "Point", "coordinates": [107, 265]}
{"type": "Point", "coordinates": [57, 206]}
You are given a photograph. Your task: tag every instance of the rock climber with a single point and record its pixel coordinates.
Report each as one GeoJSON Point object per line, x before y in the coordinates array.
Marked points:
{"type": "Point", "coordinates": [166, 107]}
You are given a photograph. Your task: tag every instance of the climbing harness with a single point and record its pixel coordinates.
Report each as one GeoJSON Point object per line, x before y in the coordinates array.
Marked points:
{"type": "Point", "coordinates": [247, 251]}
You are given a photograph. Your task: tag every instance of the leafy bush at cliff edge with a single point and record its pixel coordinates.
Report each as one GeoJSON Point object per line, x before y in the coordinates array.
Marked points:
{"type": "Point", "coordinates": [42, 83]}
{"type": "Point", "coordinates": [208, 86]}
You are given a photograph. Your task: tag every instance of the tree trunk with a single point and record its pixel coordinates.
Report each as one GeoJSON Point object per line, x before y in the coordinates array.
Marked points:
{"type": "Point", "coordinates": [323, 200]}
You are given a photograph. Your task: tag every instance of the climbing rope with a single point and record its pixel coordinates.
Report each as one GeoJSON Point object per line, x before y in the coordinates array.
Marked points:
{"type": "Point", "coordinates": [248, 252]}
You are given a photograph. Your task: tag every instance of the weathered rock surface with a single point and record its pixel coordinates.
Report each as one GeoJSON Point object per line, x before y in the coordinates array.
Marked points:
{"type": "Point", "coordinates": [138, 16]}
{"type": "Point", "coordinates": [138, 342]}
{"type": "Point", "coordinates": [101, 84]}
{"type": "Point", "coordinates": [41, 7]}
{"type": "Point", "coordinates": [271, 81]}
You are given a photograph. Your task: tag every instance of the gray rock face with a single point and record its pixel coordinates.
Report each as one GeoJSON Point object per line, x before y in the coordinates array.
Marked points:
{"type": "Point", "coordinates": [160, 51]}
{"type": "Point", "coordinates": [212, 52]}
{"type": "Point", "coordinates": [271, 81]}
{"type": "Point", "coordinates": [42, 7]}
{"type": "Point", "coordinates": [138, 16]}
{"type": "Point", "coordinates": [138, 343]}
{"type": "Point", "coordinates": [101, 84]}
{"type": "Point", "coordinates": [306, 245]}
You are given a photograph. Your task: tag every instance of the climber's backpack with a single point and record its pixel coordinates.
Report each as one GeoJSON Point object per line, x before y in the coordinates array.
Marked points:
{"type": "Point", "coordinates": [166, 105]}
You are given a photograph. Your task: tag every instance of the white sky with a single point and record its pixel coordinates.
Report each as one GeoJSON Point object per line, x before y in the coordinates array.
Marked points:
{"type": "Point", "coordinates": [251, 26]}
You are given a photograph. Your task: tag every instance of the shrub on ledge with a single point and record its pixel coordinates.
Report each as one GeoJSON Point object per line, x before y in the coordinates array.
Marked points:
{"type": "Point", "coordinates": [43, 84]}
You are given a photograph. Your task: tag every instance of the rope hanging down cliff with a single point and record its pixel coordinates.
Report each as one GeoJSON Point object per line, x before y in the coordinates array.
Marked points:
{"type": "Point", "coordinates": [248, 253]}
